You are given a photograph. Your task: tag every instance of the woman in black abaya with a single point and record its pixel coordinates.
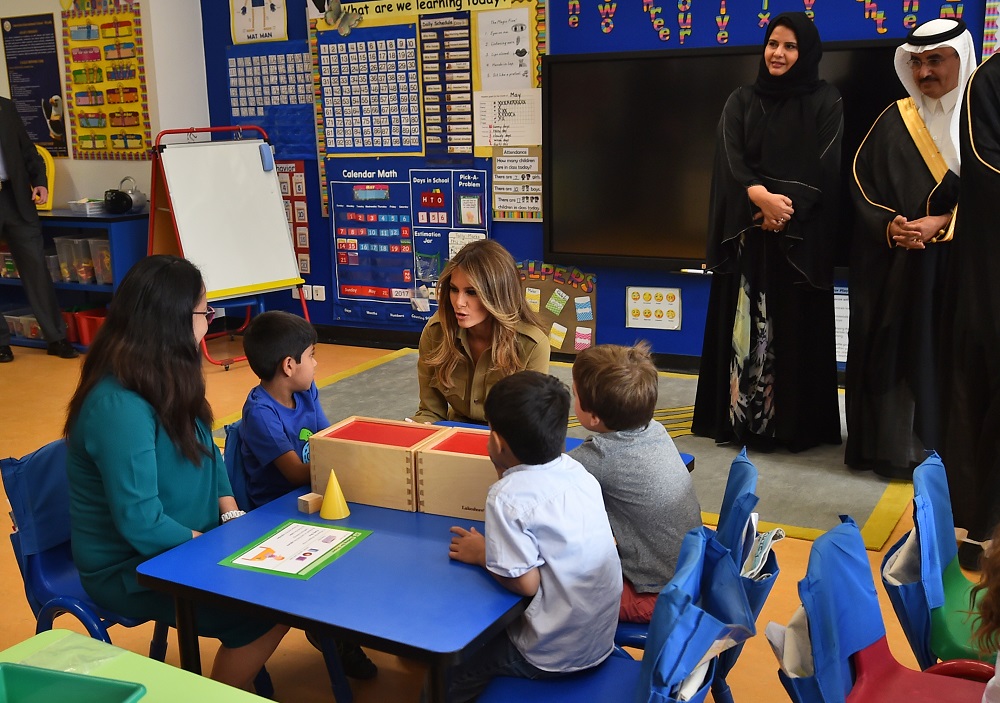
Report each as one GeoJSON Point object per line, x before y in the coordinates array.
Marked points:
{"type": "Point", "coordinates": [768, 367]}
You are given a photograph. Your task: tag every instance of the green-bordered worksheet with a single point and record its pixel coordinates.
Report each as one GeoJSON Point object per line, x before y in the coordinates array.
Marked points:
{"type": "Point", "coordinates": [296, 549]}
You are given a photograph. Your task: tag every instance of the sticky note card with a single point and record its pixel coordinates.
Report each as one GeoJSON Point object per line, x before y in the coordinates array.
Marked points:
{"type": "Point", "coordinates": [584, 310]}
{"type": "Point", "coordinates": [557, 335]}
{"type": "Point", "coordinates": [583, 339]}
{"type": "Point", "coordinates": [533, 296]}
{"type": "Point", "coordinates": [557, 301]}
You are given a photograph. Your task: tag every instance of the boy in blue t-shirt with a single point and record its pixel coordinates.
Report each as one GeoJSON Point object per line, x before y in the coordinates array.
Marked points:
{"type": "Point", "coordinates": [283, 411]}
{"type": "Point", "coordinates": [279, 416]}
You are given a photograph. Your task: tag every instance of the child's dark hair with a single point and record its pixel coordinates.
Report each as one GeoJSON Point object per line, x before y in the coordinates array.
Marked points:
{"type": "Point", "coordinates": [274, 336]}
{"type": "Point", "coordinates": [987, 614]}
{"type": "Point", "coordinates": [530, 410]}
{"type": "Point", "coordinates": [618, 384]}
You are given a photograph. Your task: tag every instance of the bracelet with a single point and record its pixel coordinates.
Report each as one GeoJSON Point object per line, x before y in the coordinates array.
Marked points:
{"type": "Point", "coordinates": [226, 517]}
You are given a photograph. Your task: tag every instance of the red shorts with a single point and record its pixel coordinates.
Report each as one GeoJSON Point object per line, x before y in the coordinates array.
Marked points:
{"type": "Point", "coordinates": [635, 607]}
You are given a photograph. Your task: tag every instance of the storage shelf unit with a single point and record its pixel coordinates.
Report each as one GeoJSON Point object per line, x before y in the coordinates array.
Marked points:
{"type": "Point", "coordinates": [128, 237]}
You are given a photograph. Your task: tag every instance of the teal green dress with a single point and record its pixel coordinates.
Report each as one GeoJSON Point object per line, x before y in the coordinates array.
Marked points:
{"type": "Point", "coordinates": [133, 495]}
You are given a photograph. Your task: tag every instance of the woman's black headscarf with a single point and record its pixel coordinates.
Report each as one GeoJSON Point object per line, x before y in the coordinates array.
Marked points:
{"type": "Point", "coordinates": [803, 76]}
{"type": "Point", "coordinates": [784, 144]}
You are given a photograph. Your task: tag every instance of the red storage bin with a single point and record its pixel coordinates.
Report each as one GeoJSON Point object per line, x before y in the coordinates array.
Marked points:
{"type": "Point", "coordinates": [72, 332]}
{"type": "Point", "coordinates": [87, 324]}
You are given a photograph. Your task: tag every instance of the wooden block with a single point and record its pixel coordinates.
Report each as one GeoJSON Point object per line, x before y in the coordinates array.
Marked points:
{"type": "Point", "coordinates": [373, 459]}
{"type": "Point", "coordinates": [454, 474]}
{"type": "Point", "coordinates": [310, 503]}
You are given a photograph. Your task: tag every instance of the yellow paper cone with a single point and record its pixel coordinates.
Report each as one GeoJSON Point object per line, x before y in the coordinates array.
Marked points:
{"type": "Point", "coordinates": [334, 504]}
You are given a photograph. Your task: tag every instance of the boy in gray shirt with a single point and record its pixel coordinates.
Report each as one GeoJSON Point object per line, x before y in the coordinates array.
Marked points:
{"type": "Point", "coordinates": [648, 492]}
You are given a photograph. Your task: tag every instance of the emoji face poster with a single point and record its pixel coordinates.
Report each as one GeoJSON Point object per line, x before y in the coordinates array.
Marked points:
{"type": "Point", "coordinates": [653, 308]}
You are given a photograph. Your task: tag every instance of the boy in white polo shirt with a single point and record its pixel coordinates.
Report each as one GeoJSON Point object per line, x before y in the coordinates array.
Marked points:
{"type": "Point", "coordinates": [547, 537]}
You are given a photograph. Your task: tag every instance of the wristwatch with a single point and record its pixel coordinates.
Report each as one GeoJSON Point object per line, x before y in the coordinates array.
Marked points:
{"type": "Point", "coordinates": [226, 517]}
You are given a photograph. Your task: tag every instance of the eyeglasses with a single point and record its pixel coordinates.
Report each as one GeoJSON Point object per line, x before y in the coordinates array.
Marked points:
{"type": "Point", "coordinates": [208, 312]}
{"type": "Point", "coordinates": [930, 62]}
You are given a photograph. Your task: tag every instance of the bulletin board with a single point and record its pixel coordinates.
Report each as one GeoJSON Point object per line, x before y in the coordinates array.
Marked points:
{"type": "Point", "coordinates": [395, 222]}
{"type": "Point", "coordinates": [565, 298]}
{"type": "Point", "coordinates": [229, 215]}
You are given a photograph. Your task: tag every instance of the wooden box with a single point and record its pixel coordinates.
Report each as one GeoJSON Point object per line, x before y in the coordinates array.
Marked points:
{"type": "Point", "coordinates": [454, 474]}
{"type": "Point", "coordinates": [373, 459]}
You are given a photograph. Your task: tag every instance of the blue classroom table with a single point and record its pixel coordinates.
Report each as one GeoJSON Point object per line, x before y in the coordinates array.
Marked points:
{"type": "Point", "coordinates": [396, 591]}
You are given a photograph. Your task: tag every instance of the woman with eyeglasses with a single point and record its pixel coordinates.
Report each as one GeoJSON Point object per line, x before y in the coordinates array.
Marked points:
{"type": "Point", "coordinates": [144, 474]}
{"type": "Point", "coordinates": [768, 367]}
{"type": "Point", "coordinates": [905, 192]}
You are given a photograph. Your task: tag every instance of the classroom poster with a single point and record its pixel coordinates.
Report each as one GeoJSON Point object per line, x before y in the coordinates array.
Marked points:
{"type": "Point", "coordinates": [653, 308]}
{"type": "Point", "coordinates": [271, 87]}
{"type": "Point", "coordinates": [258, 21]}
{"type": "Point", "coordinates": [446, 56]}
{"type": "Point", "coordinates": [506, 50]}
{"type": "Point", "coordinates": [517, 183]}
{"type": "Point", "coordinates": [566, 300]}
{"type": "Point", "coordinates": [369, 91]}
{"type": "Point", "coordinates": [394, 228]}
{"type": "Point", "coordinates": [30, 48]}
{"type": "Point", "coordinates": [509, 118]}
{"type": "Point", "coordinates": [292, 185]}
{"type": "Point", "coordinates": [107, 106]}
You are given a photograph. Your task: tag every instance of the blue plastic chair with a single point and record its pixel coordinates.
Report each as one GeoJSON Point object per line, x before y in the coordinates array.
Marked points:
{"type": "Point", "coordinates": [851, 660]}
{"type": "Point", "coordinates": [233, 457]}
{"type": "Point", "coordinates": [703, 603]}
{"type": "Point", "coordinates": [738, 503]}
{"type": "Point", "coordinates": [38, 492]}
{"type": "Point", "coordinates": [933, 610]}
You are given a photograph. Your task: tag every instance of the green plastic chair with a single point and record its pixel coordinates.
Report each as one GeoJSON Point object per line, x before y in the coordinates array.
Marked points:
{"type": "Point", "coordinates": [933, 607]}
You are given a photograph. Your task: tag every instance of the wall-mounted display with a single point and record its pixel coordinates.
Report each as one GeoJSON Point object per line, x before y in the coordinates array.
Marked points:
{"type": "Point", "coordinates": [106, 101]}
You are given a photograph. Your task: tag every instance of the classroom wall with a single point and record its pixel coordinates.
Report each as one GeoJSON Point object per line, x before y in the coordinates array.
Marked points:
{"type": "Point", "coordinates": [582, 28]}
{"type": "Point", "coordinates": [176, 88]}
{"type": "Point", "coordinates": [185, 49]}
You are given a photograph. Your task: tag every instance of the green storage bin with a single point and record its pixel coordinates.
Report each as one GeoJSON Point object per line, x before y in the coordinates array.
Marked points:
{"type": "Point", "coordinates": [29, 684]}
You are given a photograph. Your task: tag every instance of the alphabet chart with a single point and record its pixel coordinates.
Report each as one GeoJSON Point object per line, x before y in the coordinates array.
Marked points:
{"type": "Point", "coordinates": [370, 91]}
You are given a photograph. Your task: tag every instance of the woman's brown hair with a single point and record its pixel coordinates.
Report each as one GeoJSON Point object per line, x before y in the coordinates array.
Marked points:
{"type": "Point", "coordinates": [987, 614]}
{"type": "Point", "coordinates": [493, 273]}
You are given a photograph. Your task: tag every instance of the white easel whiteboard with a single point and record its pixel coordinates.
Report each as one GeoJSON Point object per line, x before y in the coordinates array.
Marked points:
{"type": "Point", "coordinates": [230, 217]}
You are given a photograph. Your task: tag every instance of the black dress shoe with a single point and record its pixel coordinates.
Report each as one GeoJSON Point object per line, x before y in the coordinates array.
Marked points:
{"type": "Point", "coordinates": [62, 349]}
{"type": "Point", "coordinates": [6, 355]}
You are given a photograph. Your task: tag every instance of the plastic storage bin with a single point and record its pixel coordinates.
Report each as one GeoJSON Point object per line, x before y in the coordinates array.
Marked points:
{"type": "Point", "coordinates": [67, 265]}
{"type": "Point", "coordinates": [8, 269]}
{"type": "Point", "coordinates": [100, 254]}
{"type": "Point", "coordinates": [72, 333]}
{"type": "Point", "coordinates": [12, 317]}
{"type": "Point", "coordinates": [87, 324]}
{"type": "Point", "coordinates": [55, 271]}
{"type": "Point", "coordinates": [83, 261]}
{"type": "Point", "coordinates": [30, 327]}
{"type": "Point", "coordinates": [21, 684]}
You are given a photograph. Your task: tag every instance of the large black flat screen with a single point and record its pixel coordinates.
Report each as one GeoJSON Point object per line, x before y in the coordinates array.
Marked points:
{"type": "Point", "coordinates": [629, 142]}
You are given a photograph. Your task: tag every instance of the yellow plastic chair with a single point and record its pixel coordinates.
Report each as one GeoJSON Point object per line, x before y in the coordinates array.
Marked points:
{"type": "Point", "coordinates": [50, 177]}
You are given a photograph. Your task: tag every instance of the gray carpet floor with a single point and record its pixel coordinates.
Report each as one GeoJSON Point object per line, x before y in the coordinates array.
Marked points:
{"type": "Point", "coordinates": [807, 490]}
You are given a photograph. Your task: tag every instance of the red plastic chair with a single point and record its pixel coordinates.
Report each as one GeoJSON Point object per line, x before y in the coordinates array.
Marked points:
{"type": "Point", "coordinates": [849, 660]}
